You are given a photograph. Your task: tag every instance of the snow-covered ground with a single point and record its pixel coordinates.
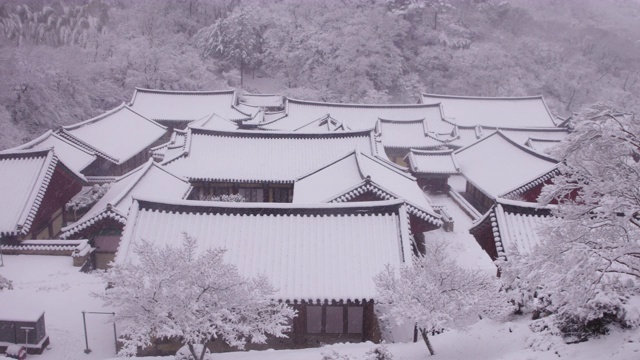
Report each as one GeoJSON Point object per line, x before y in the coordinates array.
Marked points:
{"type": "Point", "coordinates": [53, 285]}
{"type": "Point", "coordinates": [462, 244]}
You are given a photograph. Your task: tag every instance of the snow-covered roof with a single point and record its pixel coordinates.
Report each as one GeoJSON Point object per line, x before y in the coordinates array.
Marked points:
{"type": "Point", "coordinates": [501, 112]}
{"type": "Point", "coordinates": [262, 100]}
{"type": "Point", "coordinates": [432, 162]}
{"type": "Point", "coordinates": [324, 124]}
{"type": "Point", "coordinates": [424, 133]}
{"type": "Point", "coordinates": [355, 116]}
{"type": "Point", "coordinates": [522, 136]}
{"type": "Point", "coordinates": [469, 135]}
{"type": "Point", "coordinates": [73, 156]}
{"type": "Point", "coordinates": [25, 178]}
{"type": "Point", "coordinates": [354, 173]}
{"type": "Point", "coordinates": [516, 232]}
{"type": "Point", "coordinates": [185, 106]}
{"type": "Point", "coordinates": [148, 180]}
{"type": "Point", "coordinates": [17, 313]}
{"type": "Point", "coordinates": [318, 252]}
{"type": "Point", "coordinates": [497, 165]}
{"type": "Point", "coordinates": [255, 156]}
{"type": "Point", "coordinates": [214, 122]}
{"type": "Point", "coordinates": [541, 145]}
{"type": "Point", "coordinates": [117, 135]}
{"type": "Point", "coordinates": [172, 148]}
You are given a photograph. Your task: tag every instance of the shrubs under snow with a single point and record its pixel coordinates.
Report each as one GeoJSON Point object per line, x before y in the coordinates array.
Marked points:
{"type": "Point", "coordinates": [380, 352]}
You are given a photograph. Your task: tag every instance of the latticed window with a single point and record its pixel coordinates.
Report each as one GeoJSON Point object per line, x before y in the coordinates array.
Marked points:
{"type": "Point", "coordinates": [281, 195]}
{"type": "Point", "coordinates": [252, 194]}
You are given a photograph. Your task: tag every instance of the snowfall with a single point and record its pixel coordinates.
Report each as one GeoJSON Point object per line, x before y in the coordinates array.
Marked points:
{"type": "Point", "coordinates": [51, 284]}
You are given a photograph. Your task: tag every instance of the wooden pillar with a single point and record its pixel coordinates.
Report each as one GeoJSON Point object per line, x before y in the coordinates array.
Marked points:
{"type": "Point", "coordinates": [299, 323]}
{"type": "Point", "coordinates": [370, 322]}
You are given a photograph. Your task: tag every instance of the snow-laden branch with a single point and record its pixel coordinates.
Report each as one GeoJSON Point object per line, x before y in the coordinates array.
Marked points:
{"type": "Point", "coordinates": [177, 293]}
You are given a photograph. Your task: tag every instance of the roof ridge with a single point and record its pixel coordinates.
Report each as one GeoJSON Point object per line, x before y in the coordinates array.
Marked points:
{"type": "Point", "coordinates": [11, 153]}
{"type": "Point", "coordinates": [267, 206]}
{"type": "Point", "coordinates": [71, 143]}
{"type": "Point", "coordinates": [535, 179]}
{"type": "Point", "coordinates": [252, 94]}
{"type": "Point", "coordinates": [142, 170]}
{"type": "Point", "coordinates": [372, 182]}
{"type": "Point", "coordinates": [506, 138]}
{"type": "Point", "coordinates": [310, 102]}
{"type": "Point", "coordinates": [501, 200]}
{"type": "Point", "coordinates": [95, 118]}
{"type": "Point", "coordinates": [146, 118]}
{"type": "Point", "coordinates": [35, 198]}
{"type": "Point", "coordinates": [162, 168]}
{"type": "Point", "coordinates": [79, 226]}
{"type": "Point", "coordinates": [338, 159]}
{"type": "Point", "coordinates": [79, 142]}
{"type": "Point", "coordinates": [467, 97]}
{"type": "Point", "coordinates": [398, 121]}
{"type": "Point", "coordinates": [281, 134]}
{"type": "Point", "coordinates": [431, 152]}
{"type": "Point", "coordinates": [325, 116]}
{"type": "Point", "coordinates": [32, 142]}
{"type": "Point", "coordinates": [183, 92]}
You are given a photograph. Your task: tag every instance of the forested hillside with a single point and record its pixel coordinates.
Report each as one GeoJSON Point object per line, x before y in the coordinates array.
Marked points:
{"type": "Point", "coordinates": [63, 62]}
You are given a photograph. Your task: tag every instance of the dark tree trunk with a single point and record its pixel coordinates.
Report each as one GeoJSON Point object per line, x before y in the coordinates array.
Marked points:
{"type": "Point", "coordinates": [241, 72]}
{"type": "Point", "coordinates": [435, 21]}
{"type": "Point", "coordinates": [425, 337]}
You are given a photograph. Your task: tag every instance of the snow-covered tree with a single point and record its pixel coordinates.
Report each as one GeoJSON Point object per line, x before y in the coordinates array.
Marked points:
{"type": "Point", "coordinates": [436, 293]}
{"type": "Point", "coordinates": [174, 292]}
{"type": "Point", "coordinates": [587, 267]}
{"type": "Point", "coordinates": [236, 38]}
{"type": "Point", "coordinates": [223, 198]}
{"type": "Point", "coordinates": [85, 199]}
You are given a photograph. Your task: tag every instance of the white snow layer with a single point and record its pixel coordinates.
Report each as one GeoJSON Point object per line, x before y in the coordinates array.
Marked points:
{"type": "Point", "coordinates": [119, 134]}
{"type": "Point", "coordinates": [494, 112]}
{"type": "Point", "coordinates": [308, 257]}
{"type": "Point", "coordinates": [255, 157]}
{"type": "Point", "coordinates": [185, 105]}
{"type": "Point", "coordinates": [496, 165]}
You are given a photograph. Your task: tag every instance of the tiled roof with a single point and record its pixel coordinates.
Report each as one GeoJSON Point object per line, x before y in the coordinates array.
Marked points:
{"type": "Point", "coordinates": [118, 135]}
{"type": "Point", "coordinates": [355, 116]}
{"type": "Point", "coordinates": [516, 232]}
{"type": "Point", "coordinates": [541, 145]}
{"type": "Point", "coordinates": [432, 162]}
{"type": "Point", "coordinates": [148, 180]}
{"type": "Point", "coordinates": [496, 165]}
{"type": "Point", "coordinates": [73, 156]}
{"type": "Point", "coordinates": [356, 173]}
{"type": "Point", "coordinates": [326, 251]}
{"type": "Point", "coordinates": [254, 156]}
{"type": "Point", "coordinates": [324, 124]}
{"type": "Point", "coordinates": [214, 122]}
{"type": "Point", "coordinates": [25, 178]}
{"type": "Point", "coordinates": [502, 112]}
{"type": "Point", "coordinates": [521, 136]}
{"type": "Point", "coordinates": [182, 106]}
{"type": "Point", "coordinates": [418, 134]}
{"type": "Point", "coordinates": [262, 100]}
{"type": "Point", "coordinates": [172, 148]}
{"type": "Point", "coordinates": [469, 135]}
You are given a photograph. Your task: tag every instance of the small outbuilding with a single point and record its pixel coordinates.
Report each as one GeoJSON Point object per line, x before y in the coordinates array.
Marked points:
{"type": "Point", "coordinates": [25, 328]}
